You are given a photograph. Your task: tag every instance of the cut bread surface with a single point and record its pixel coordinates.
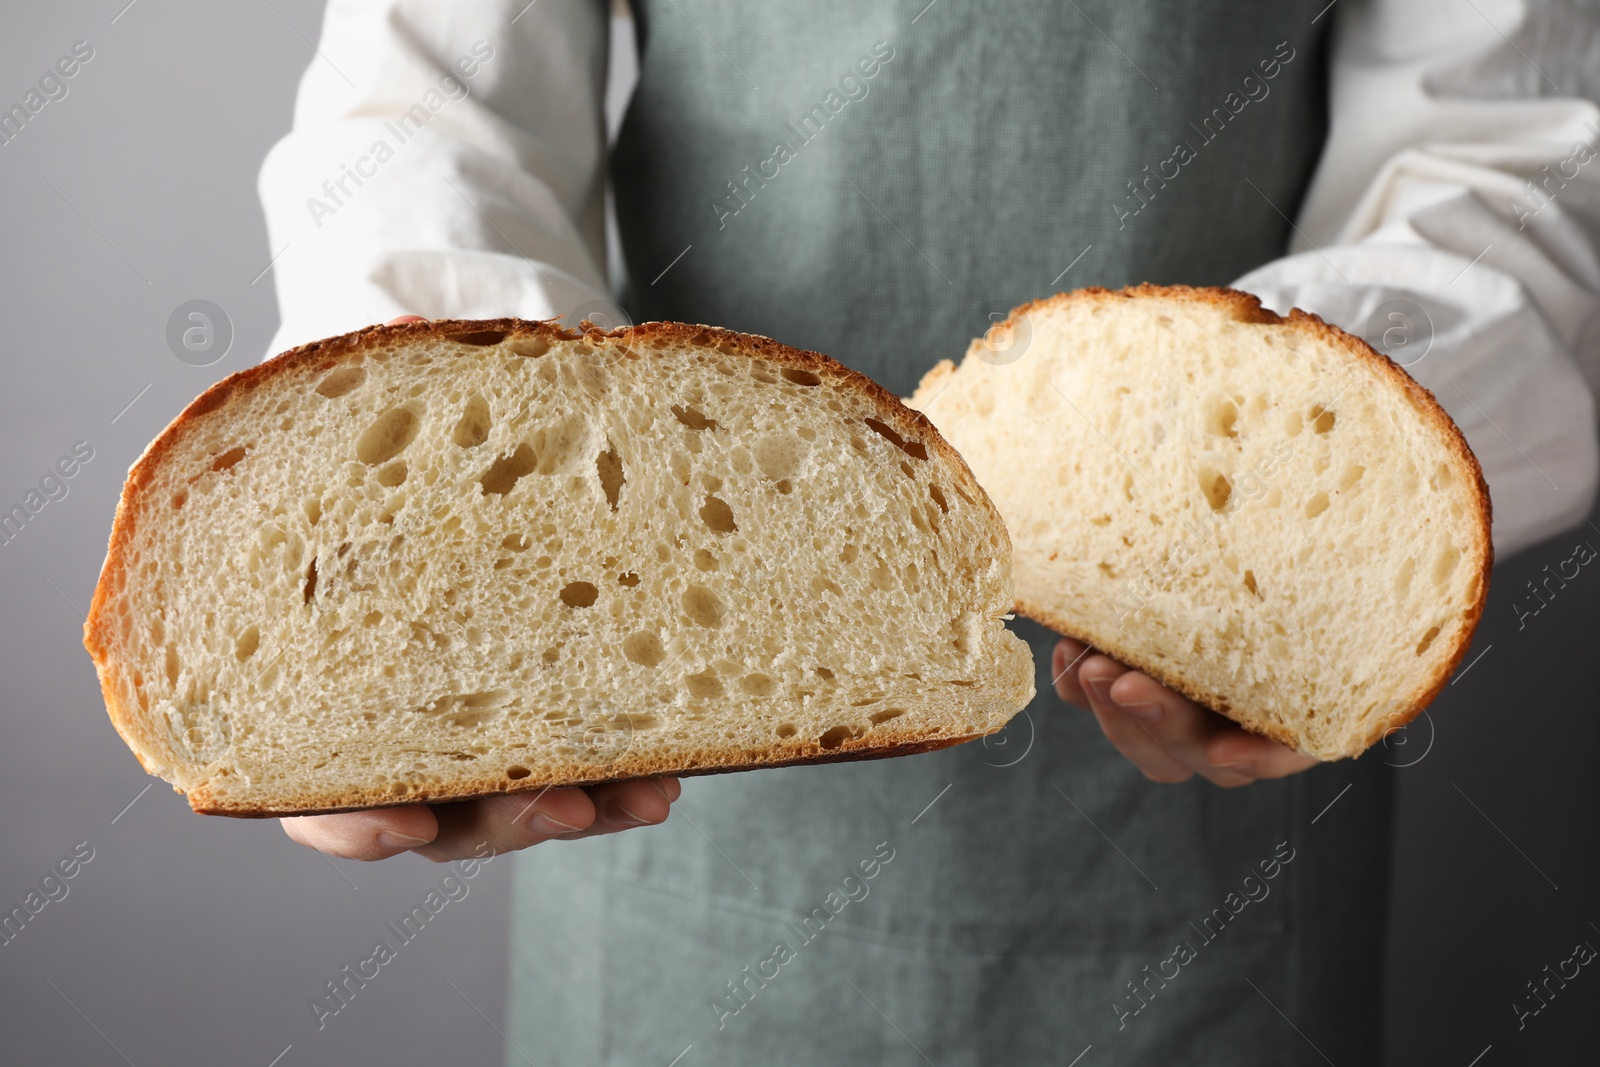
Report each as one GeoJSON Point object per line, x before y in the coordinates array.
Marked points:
{"type": "Point", "coordinates": [1262, 513]}
{"type": "Point", "coordinates": [439, 560]}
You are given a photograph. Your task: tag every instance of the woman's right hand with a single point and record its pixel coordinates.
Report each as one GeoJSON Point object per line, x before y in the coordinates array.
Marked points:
{"type": "Point", "coordinates": [461, 829]}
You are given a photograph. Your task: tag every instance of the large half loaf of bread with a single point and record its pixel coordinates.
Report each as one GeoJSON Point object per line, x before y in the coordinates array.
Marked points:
{"type": "Point", "coordinates": [439, 560]}
{"type": "Point", "coordinates": [1260, 512]}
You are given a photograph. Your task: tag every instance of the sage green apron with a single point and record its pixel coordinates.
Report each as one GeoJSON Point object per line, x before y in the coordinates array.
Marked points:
{"type": "Point", "coordinates": [1027, 898]}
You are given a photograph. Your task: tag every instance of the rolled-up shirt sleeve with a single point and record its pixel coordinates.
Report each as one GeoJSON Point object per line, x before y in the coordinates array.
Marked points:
{"type": "Point", "coordinates": [1453, 222]}
{"type": "Point", "coordinates": [446, 160]}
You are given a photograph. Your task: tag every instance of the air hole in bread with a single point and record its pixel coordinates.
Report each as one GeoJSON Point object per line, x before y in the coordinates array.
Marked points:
{"type": "Point", "coordinates": [758, 685]}
{"type": "Point", "coordinates": [467, 710]}
{"type": "Point", "coordinates": [530, 347]}
{"type": "Point", "coordinates": [559, 445]}
{"type": "Point", "coordinates": [516, 774]}
{"type": "Point", "coordinates": [703, 607]}
{"type": "Point", "coordinates": [1427, 639]}
{"type": "Point", "coordinates": [780, 456]}
{"type": "Point", "coordinates": [849, 553]}
{"type": "Point", "coordinates": [881, 717]}
{"type": "Point", "coordinates": [392, 475]}
{"type": "Point", "coordinates": [786, 729]}
{"type": "Point", "coordinates": [608, 465]}
{"type": "Point", "coordinates": [704, 561]}
{"type": "Point", "coordinates": [181, 497]}
{"type": "Point", "coordinates": [1445, 564]}
{"type": "Point", "coordinates": [718, 516]}
{"type": "Point", "coordinates": [1321, 419]}
{"type": "Point", "coordinates": [1352, 474]}
{"type": "Point", "coordinates": [341, 381]}
{"type": "Point", "coordinates": [480, 338]}
{"type": "Point", "coordinates": [784, 487]}
{"type": "Point", "coordinates": [246, 645]}
{"type": "Point", "coordinates": [628, 579]}
{"type": "Point", "coordinates": [309, 589]}
{"type": "Point", "coordinates": [1250, 584]}
{"type": "Point", "coordinates": [1316, 505]}
{"type": "Point", "coordinates": [705, 685]}
{"type": "Point", "coordinates": [938, 498]}
{"type": "Point", "coordinates": [801, 377]}
{"type": "Point", "coordinates": [516, 542]}
{"type": "Point", "coordinates": [503, 473]}
{"type": "Point", "coordinates": [825, 674]}
{"type": "Point", "coordinates": [1216, 488]}
{"type": "Point", "coordinates": [644, 648]}
{"type": "Point", "coordinates": [821, 583]}
{"type": "Point", "coordinates": [388, 436]}
{"type": "Point", "coordinates": [1402, 578]}
{"type": "Point", "coordinates": [914, 449]}
{"type": "Point", "coordinates": [1221, 419]}
{"type": "Point", "coordinates": [172, 665]}
{"type": "Point", "coordinates": [228, 458]}
{"type": "Point", "coordinates": [835, 736]}
{"type": "Point", "coordinates": [692, 418]}
{"type": "Point", "coordinates": [472, 429]}
{"type": "Point", "coordinates": [579, 594]}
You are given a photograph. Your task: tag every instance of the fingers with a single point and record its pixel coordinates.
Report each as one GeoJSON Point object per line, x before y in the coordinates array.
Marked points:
{"type": "Point", "coordinates": [364, 835]}
{"type": "Point", "coordinates": [1211, 745]}
{"type": "Point", "coordinates": [1064, 662]}
{"type": "Point", "coordinates": [397, 320]}
{"type": "Point", "coordinates": [1176, 725]}
{"type": "Point", "coordinates": [1163, 733]}
{"type": "Point", "coordinates": [1255, 756]}
{"type": "Point", "coordinates": [624, 805]}
{"type": "Point", "coordinates": [507, 823]}
{"type": "Point", "coordinates": [488, 825]}
{"type": "Point", "coordinates": [1097, 675]}
{"type": "Point", "coordinates": [475, 828]}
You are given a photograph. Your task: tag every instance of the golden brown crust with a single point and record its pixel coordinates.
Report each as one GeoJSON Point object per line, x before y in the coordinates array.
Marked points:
{"type": "Point", "coordinates": [1245, 307]}
{"type": "Point", "coordinates": [625, 770]}
{"type": "Point", "coordinates": [316, 359]}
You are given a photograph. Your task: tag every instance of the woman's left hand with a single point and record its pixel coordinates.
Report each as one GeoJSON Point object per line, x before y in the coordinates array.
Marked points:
{"type": "Point", "coordinates": [1166, 735]}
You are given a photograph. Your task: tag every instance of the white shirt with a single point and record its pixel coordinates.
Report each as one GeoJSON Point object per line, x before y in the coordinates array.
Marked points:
{"type": "Point", "coordinates": [1419, 212]}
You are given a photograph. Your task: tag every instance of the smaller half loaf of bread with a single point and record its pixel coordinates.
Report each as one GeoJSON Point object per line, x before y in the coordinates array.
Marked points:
{"type": "Point", "coordinates": [447, 559]}
{"type": "Point", "coordinates": [1260, 512]}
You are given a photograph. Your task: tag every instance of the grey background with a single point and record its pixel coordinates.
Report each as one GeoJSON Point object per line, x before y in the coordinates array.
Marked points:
{"type": "Point", "coordinates": [189, 940]}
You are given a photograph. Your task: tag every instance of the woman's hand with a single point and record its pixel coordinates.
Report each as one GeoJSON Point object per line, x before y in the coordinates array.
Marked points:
{"type": "Point", "coordinates": [1164, 734]}
{"type": "Point", "coordinates": [459, 830]}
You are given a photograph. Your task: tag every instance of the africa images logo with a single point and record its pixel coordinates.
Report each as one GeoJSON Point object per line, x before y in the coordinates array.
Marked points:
{"type": "Point", "coordinates": [402, 128]}
{"type": "Point", "coordinates": [853, 88]}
